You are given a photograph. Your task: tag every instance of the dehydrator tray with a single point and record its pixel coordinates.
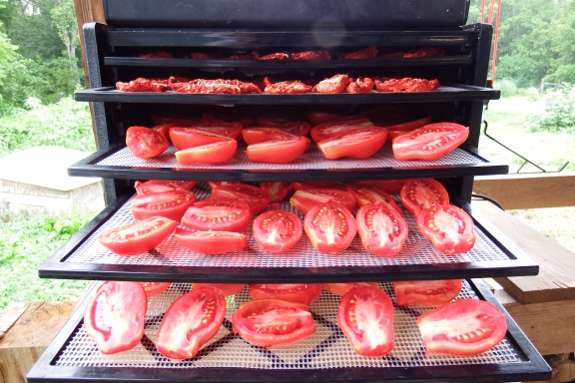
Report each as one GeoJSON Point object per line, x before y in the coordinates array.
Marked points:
{"type": "Point", "coordinates": [119, 162]}
{"type": "Point", "coordinates": [83, 257]}
{"type": "Point", "coordinates": [326, 356]}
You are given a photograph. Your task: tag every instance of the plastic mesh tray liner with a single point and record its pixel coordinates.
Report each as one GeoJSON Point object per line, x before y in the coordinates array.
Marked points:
{"type": "Point", "coordinates": [312, 159]}
{"type": "Point", "coordinates": [416, 250]}
{"type": "Point", "coordinates": [327, 348]}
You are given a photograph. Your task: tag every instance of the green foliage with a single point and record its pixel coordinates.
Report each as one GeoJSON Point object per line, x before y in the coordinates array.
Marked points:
{"type": "Point", "coordinates": [559, 113]}
{"type": "Point", "coordinates": [507, 87]}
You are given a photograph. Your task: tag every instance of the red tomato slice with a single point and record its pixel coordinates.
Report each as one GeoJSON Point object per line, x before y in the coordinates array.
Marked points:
{"type": "Point", "coordinates": [277, 190]}
{"type": "Point", "coordinates": [328, 129]}
{"type": "Point", "coordinates": [297, 128]}
{"type": "Point", "coordinates": [165, 129]}
{"type": "Point", "coordinates": [342, 288]}
{"type": "Point", "coordinates": [297, 185]}
{"type": "Point", "coordinates": [192, 320]}
{"type": "Point", "coordinates": [257, 199]}
{"type": "Point", "coordinates": [213, 154]}
{"type": "Point", "coordinates": [409, 126]}
{"type": "Point", "coordinates": [218, 215]}
{"type": "Point", "coordinates": [231, 130]}
{"type": "Point", "coordinates": [273, 322]}
{"type": "Point", "coordinates": [330, 227]}
{"type": "Point", "coordinates": [304, 293]}
{"type": "Point", "coordinates": [185, 138]}
{"type": "Point", "coordinates": [305, 200]}
{"type": "Point", "coordinates": [317, 117]}
{"type": "Point", "coordinates": [365, 195]}
{"type": "Point", "coordinates": [430, 142]}
{"type": "Point", "coordinates": [162, 186]}
{"type": "Point", "coordinates": [426, 293]}
{"type": "Point", "coordinates": [422, 193]}
{"type": "Point", "coordinates": [361, 143]}
{"type": "Point", "coordinates": [365, 315]}
{"type": "Point", "coordinates": [390, 186]}
{"type": "Point", "coordinates": [382, 229]}
{"type": "Point", "coordinates": [171, 205]}
{"type": "Point", "coordinates": [449, 228]}
{"type": "Point", "coordinates": [212, 242]}
{"type": "Point", "coordinates": [464, 327]}
{"type": "Point", "coordinates": [145, 142]}
{"type": "Point", "coordinates": [277, 231]}
{"type": "Point", "coordinates": [114, 317]}
{"type": "Point", "coordinates": [218, 118]}
{"type": "Point", "coordinates": [277, 152]}
{"type": "Point", "coordinates": [138, 237]}
{"type": "Point", "coordinates": [226, 288]}
{"type": "Point", "coordinates": [154, 288]}
{"type": "Point", "coordinates": [258, 135]}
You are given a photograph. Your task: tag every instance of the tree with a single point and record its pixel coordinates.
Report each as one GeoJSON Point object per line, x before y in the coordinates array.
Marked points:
{"type": "Point", "coordinates": [64, 18]}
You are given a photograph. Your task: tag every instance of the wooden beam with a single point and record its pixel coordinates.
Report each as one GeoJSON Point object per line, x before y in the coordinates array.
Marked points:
{"type": "Point", "coordinates": [87, 11]}
{"type": "Point", "coordinates": [526, 191]}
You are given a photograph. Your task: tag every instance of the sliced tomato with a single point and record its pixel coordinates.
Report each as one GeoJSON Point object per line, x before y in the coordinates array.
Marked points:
{"type": "Point", "coordinates": [409, 126]}
{"type": "Point", "coordinates": [218, 215]}
{"type": "Point", "coordinates": [192, 320]}
{"type": "Point", "coordinates": [449, 228]}
{"type": "Point", "coordinates": [317, 117]}
{"type": "Point", "coordinates": [257, 199]}
{"type": "Point", "coordinates": [185, 138]}
{"type": "Point", "coordinates": [342, 288]}
{"type": "Point", "coordinates": [365, 195]}
{"type": "Point", "coordinates": [430, 142]}
{"type": "Point", "coordinates": [330, 227]}
{"type": "Point", "coordinates": [365, 315]}
{"type": "Point", "coordinates": [361, 143]}
{"type": "Point", "coordinates": [297, 128]}
{"type": "Point", "coordinates": [162, 186]}
{"type": "Point", "coordinates": [165, 129]}
{"type": "Point", "coordinates": [226, 288]}
{"type": "Point", "coordinates": [277, 190]}
{"type": "Point", "coordinates": [138, 237]}
{"type": "Point", "coordinates": [382, 229]}
{"type": "Point", "coordinates": [114, 317]}
{"type": "Point", "coordinates": [231, 130]}
{"type": "Point", "coordinates": [277, 231]}
{"type": "Point", "coordinates": [217, 118]}
{"type": "Point", "coordinates": [390, 186]}
{"type": "Point", "coordinates": [426, 293]}
{"type": "Point", "coordinates": [329, 129]}
{"type": "Point", "coordinates": [273, 322]}
{"type": "Point", "coordinates": [278, 152]}
{"type": "Point", "coordinates": [258, 135]}
{"type": "Point", "coordinates": [213, 154]}
{"type": "Point", "coordinates": [298, 185]}
{"type": "Point", "coordinates": [422, 193]}
{"type": "Point", "coordinates": [305, 200]}
{"type": "Point", "coordinates": [171, 204]}
{"type": "Point", "coordinates": [464, 327]}
{"type": "Point", "coordinates": [212, 242]}
{"type": "Point", "coordinates": [304, 293]}
{"type": "Point", "coordinates": [145, 142]}
{"type": "Point", "coordinates": [154, 288]}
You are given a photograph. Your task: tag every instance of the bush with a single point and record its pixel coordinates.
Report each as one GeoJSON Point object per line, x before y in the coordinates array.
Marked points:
{"type": "Point", "coordinates": [532, 94]}
{"type": "Point", "coordinates": [507, 87]}
{"type": "Point", "coordinates": [559, 113]}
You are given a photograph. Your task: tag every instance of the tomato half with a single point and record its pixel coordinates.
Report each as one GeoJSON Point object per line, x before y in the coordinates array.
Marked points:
{"type": "Point", "coordinates": [317, 117]}
{"type": "Point", "coordinates": [390, 186]}
{"type": "Point", "coordinates": [138, 237]}
{"type": "Point", "coordinates": [145, 142]}
{"type": "Point", "coordinates": [218, 215]}
{"type": "Point", "coordinates": [365, 195]}
{"type": "Point", "coordinates": [297, 128]}
{"type": "Point", "coordinates": [305, 200]}
{"type": "Point", "coordinates": [382, 229]}
{"type": "Point", "coordinates": [422, 193]}
{"type": "Point", "coordinates": [330, 227]}
{"type": "Point", "coordinates": [192, 320]}
{"type": "Point", "coordinates": [154, 288]}
{"type": "Point", "coordinates": [329, 129]}
{"type": "Point", "coordinates": [305, 293]}
{"type": "Point", "coordinates": [257, 199]}
{"type": "Point", "coordinates": [212, 242]}
{"type": "Point", "coordinates": [226, 288]}
{"type": "Point", "coordinates": [214, 154]}
{"type": "Point", "coordinates": [409, 126]}
{"type": "Point", "coordinates": [114, 317]}
{"type": "Point", "coordinates": [430, 142]}
{"type": "Point", "coordinates": [277, 231]}
{"type": "Point", "coordinates": [231, 130]}
{"type": "Point", "coordinates": [258, 135]}
{"type": "Point", "coordinates": [342, 288]}
{"type": "Point", "coordinates": [278, 152]}
{"type": "Point", "coordinates": [361, 143]}
{"type": "Point", "coordinates": [449, 228]}
{"type": "Point", "coordinates": [426, 293]}
{"type": "Point", "coordinates": [171, 205]}
{"type": "Point", "coordinates": [162, 186]}
{"type": "Point", "coordinates": [464, 327]}
{"type": "Point", "coordinates": [365, 315]}
{"type": "Point", "coordinates": [273, 322]}
{"type": "Point", "coordinates": [277, 190]}
{"type": "Point", "coordinates": [165, 129]}
{"type": "Point", "coordinates": [185, 138]}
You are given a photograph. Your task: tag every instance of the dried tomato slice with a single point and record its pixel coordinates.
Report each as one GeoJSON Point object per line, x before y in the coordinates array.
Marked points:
{"type": "Point", "coordinates": [333, 85]}
{"type": "Point", "coordinates": [360, 85]}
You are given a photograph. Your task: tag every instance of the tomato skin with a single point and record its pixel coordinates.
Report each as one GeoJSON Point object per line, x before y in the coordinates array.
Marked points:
{"type": "Point", "coordinates": [218, 215]}
{"type": "Point", "coordinates": [365, 195]}
{"type": "Point", "coordinates": [162, 186]}
{"type": "Point", "coordinates": [145, 143]}
{"type": "Point", "coordinates": [382, 229]}
{"type": "Point", "coordinates": [316, 117]}
{"type": "Point", "coordinates": [226, 288]}
{"type": "Point", "coordinates": [426, 293]}
{"type": "Point", "coordinates": [277, 152]}
{"type": "Point", "coordinates": [114, 317]}
{"type": "Point", "coordinates": [154, 288]}
{"type": "Point", "coordinates": [422, 193]}
{"type": "Point", "coordinates": [289, 322]}
{"type": "Point", "coordinates": [183, 330]}
{"type": "Point", "coordinates": [171, 205]}
{"type": "Point", "coordinates": [429, 142]}
{"type": "Point", "coordinates": [256, 198]}
{"type": "Point", "coordinates": [449, 228]}
{"type": "Point", "coordinates": [212, 242]}
{"type": "Point", "coordinates": [370, 328]}
{"type": "Point", "coordinates": [150, 233]}
{"type": "Point", "coordinates": [342, 288]}
{"type": "Point", "coordinates": [328, 129]}
{"type": "Point", "coordinates": [411, 125]}
{"type": "Point", "coordinates": [305, 200]}
{"type": "Point", "coordinates": [213, 154]}
{"type": "Point", "coordinates": [464, 327]}
{"type": "Point", "coordinates": [277, 231]}
{"type": "Point", "coordinates": [390, 186]}
{"type": "Point", "coordinates": [304, 293]}
{"type": "Point", "coordinates": [277, 190]}
{"type": "Point", "coordinates": [330, 227]}
{"type": "Point", "coordinates": [185, 138]}
{"type": "Point", "coordinates": [358, 144]}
